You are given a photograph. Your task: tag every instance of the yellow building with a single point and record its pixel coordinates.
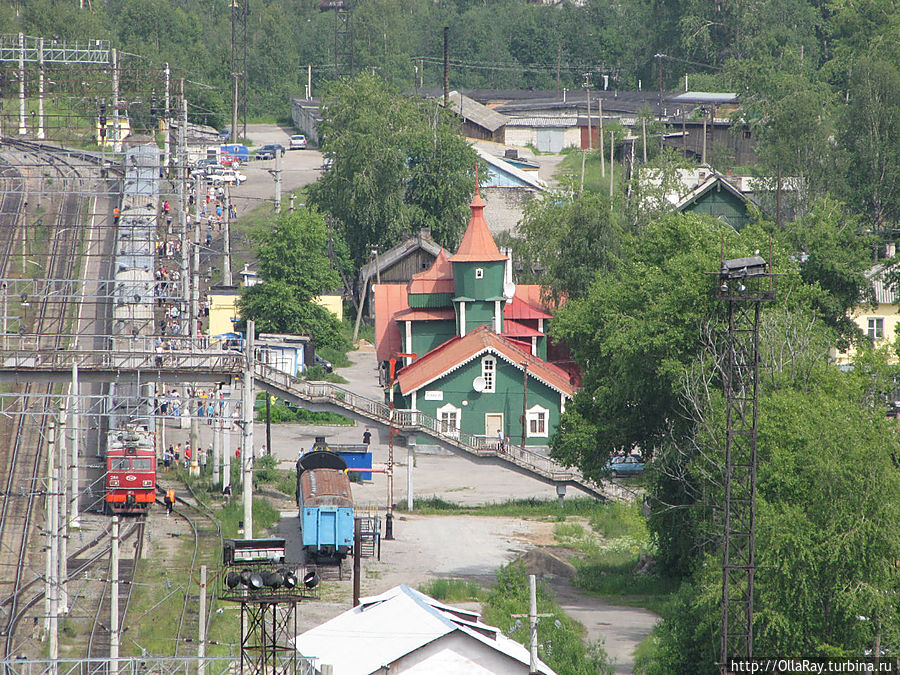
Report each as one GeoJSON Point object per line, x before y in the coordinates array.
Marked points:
{"type": "Point", "coordinates": [879, 321]}
{"type": "Point", "coordinates": [333, 303]}
{"type": "Point", "coordinates": [222, 309]}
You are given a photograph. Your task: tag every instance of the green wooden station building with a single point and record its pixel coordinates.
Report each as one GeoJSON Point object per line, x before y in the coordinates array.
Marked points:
{"type": "Point", "coordinates": [482, 354]}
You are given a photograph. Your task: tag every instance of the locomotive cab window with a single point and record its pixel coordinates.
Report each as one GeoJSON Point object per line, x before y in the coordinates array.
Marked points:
{"type": "Point", "coordinates": [141, 464]}
{"type": "Point", "coordinates": [118, 464]}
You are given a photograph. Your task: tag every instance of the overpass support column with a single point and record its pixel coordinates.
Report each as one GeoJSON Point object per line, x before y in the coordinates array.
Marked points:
{"type": "Point", "coordinates": [410, 460]}
{"type": "Point", "coordinates": [561, 493]}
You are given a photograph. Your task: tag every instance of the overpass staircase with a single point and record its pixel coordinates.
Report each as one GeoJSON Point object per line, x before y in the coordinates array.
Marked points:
{"type": "Point", "coordinates": [413, 422]}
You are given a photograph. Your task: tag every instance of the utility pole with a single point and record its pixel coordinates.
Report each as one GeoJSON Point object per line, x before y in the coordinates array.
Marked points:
{"type": "Point", "coordinates": [533, 618]}
{"type": "Point", "coordinates": [217, 448]}
{"type": "Point", "coordinates": [226, 244]}
{"type": "Point", "coordinates": [446, 66]}
{"type": "Point", "coordinates": [62, 527]}
{"type": "Point", "coordinates": [277, 175]}
{"type": "Point", "coordinates": [247, 443]}
{"type": "Point", "coordinates": [524, 401]}
{"type": "Point", "coordinates": [600, 135]}
{"type": "Point", "coordinates": [659, 109]}
{"type": "Point", "coordinates": [587, 91]}
{"type": "Point", "coordinates": [52, 566]}
{"type": "Point", "coordinates": [74, 518]}
{"type": "Point", "coordinates": [22, 128]}
{"type": "Point", "coordinates": [201, 643]}
{"type": "Point", "coordinates": [114, 601]}
{"type": "Point", "coordinates": [612, 148]}
{"type": "Point", "coordinates": [166, 152]}
{"type": "Point", "coordinates": [115, 102]}
{"type": "Point", "coordinates": [40, 129]}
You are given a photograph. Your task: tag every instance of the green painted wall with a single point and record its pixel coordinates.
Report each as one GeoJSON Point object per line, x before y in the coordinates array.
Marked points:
{"type": "Point", "coordinates": [489, 286]}
{"type": "Point", "coordinates": [477, 314]}
{"type": "Point", "coordinates": [426, 335]}
{"type": "Point", "coordinates": [720, 203]}
{"type": "Point", "coordinates": [430, 300]}
{"type": "Point", "coordinates": [457, 387]}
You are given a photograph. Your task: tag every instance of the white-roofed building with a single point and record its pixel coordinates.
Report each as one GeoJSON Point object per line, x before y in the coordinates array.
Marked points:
{"type": "Point", "coordinates": [405, 631]}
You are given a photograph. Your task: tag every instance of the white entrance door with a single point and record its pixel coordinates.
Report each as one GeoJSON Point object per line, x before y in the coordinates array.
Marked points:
{"type": "Point", "coordinates": [493, 425]}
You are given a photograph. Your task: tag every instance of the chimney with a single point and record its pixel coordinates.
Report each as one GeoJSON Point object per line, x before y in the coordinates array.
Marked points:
{"type": "Point", "coordinates": [890, 249]}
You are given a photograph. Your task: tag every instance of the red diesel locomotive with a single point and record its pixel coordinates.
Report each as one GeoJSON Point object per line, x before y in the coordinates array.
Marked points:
{"type": "Point", "coordinates": [130, 470]}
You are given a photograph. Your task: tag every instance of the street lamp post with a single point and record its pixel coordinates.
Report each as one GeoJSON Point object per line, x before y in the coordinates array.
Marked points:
{"type": "Point", "coordinates": [389, 518]}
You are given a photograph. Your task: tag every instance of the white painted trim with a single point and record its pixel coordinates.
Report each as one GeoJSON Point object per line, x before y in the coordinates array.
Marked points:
{"type": "Point", "coordinates": [462, 318]}
{"type": "Point", "coordinates": [408, 349]}
{"type": "Point", "coordinates": [497, 316]}
{"type": "Point", "coordinates": [532, 413]}
{"type": "Point", "coordinates": [412, 401]}
{"type": "Point", "coordinates": [493, 388]}
{"type": "Point", "coordinates": [562, 403]}
{"type": "Point", "coordinates": [449, 407]}
{"type": "Point", "coordinates": [541, 325]}
{"type": "Point", "coordinates": [534, 345]}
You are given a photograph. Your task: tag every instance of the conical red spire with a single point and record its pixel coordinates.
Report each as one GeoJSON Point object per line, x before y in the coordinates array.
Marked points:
{"type": "Point", "coordinates": [477, 244]}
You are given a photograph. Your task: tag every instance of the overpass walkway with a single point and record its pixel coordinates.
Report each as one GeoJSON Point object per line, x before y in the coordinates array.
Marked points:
{"type": "Point", "coordinates": [325, 395]}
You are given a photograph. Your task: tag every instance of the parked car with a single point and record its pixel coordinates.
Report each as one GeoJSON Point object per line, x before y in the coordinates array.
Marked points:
{"type": "Point", "coordinates": [229, 176]}
{"type": "Point", "coordinates": [269, 151]}
{"type": "Point", "coordinates": [225, 134]}
{"type": "Point", "coordinates": [207, 169]}
{"type": "Point", "coordinates": [298, 142]}
{"type": "Point", "coordinates": [630, 465]}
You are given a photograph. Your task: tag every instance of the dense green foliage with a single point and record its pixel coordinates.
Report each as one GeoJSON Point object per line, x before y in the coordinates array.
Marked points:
{"type": "Point", "coordinates": [295, 266]}
{"type": "Point", "coordinates": [398, 165]}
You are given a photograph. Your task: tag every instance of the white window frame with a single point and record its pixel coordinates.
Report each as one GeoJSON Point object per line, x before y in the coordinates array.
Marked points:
{"type": "Point", "coordinates": [489, 373]}
{"type": "Point", "coordinates": [875, 329]}
{"type": "Point", "coordinates": [449, 409]}
{"type": "Point", "coordinates": [479, 273]}
{"type": "Point", "coordinates": [534, 414]}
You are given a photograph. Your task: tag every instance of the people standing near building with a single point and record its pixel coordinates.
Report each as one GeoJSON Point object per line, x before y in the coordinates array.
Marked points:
{"type": "Point", "coordinates": [167, 459]}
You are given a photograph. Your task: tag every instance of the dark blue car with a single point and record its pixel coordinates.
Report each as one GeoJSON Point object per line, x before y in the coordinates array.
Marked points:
{"type": "Point", "coordinates": [630, 465]}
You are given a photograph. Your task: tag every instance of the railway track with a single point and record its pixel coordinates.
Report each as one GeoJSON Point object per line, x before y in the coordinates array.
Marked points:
{"type": "Point", "coordinates": [22, 456]}
{"type": "Point", "coordinates": [203, 525]}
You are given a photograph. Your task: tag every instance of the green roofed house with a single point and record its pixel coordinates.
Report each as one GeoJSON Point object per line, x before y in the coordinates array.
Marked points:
{"type": "Point", "coordinates": [483, 355]}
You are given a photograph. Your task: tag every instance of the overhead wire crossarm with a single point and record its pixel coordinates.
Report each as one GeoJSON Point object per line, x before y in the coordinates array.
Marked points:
{"type": "Point", "coordinates": [13, 46]}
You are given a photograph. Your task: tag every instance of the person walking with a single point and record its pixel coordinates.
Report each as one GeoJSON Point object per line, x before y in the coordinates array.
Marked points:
{"type": "Point", "coordinates": [170, 501]}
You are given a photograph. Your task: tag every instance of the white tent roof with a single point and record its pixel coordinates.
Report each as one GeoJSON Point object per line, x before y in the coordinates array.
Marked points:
{"type": "Point", "coordinates": [386, 627]}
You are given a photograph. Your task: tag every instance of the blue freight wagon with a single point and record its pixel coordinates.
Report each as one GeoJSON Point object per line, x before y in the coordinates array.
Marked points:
{"type": "Point", "coordinates": [325, 501]}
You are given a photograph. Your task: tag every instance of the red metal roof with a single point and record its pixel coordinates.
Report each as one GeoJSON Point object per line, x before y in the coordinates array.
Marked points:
{"type": "Point", "coordinates": [520, 308]}
{"type": "Point", "coordinates": [457, 351]}
{"type": "Point", "coordinates": [516, 329]}
{"type": "Point", "coordinates": [390, 299]}
{"type": "Point", "coordinates": [436, 279]}
{"type": "Point", "coordinates": [477, 244]}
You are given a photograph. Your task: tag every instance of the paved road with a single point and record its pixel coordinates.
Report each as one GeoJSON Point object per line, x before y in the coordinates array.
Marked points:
{"type": "Point", "coordinates": [298, 169]}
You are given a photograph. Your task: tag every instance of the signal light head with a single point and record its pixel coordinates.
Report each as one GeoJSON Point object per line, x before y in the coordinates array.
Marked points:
{"type": "Point", "coordinates": [273, 579]}
{"type": "Point", "coordinates": [232, 580]}
{"type": "Point", "coordinates": [290, 579]}
{"type": "Point", "coordinates": [311, 579]}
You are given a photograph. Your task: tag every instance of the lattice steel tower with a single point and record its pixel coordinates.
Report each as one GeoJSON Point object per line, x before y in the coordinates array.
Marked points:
{"type": "Point", "coordinates": [239, 11]}
{"type": "Point", "coordinates": [744, 283]}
